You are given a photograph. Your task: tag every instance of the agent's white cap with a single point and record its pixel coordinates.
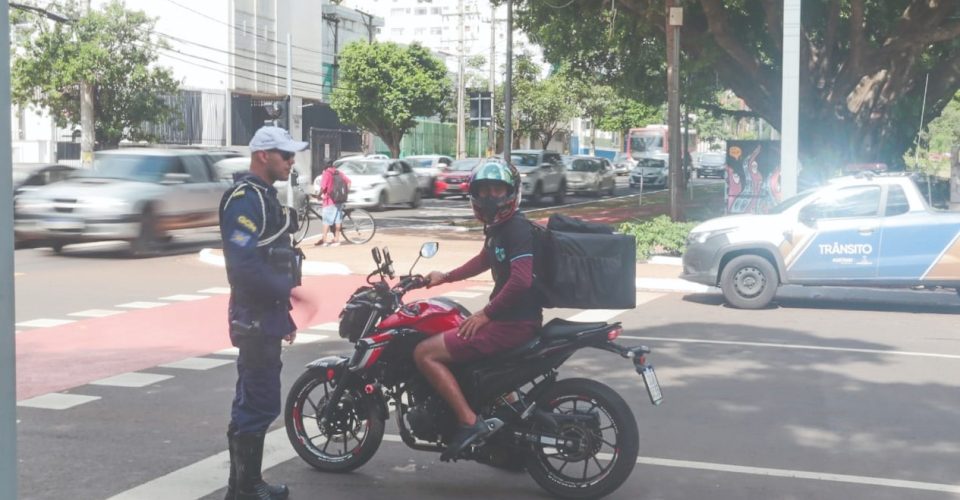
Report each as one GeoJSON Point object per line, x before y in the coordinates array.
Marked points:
{"type": "Point", "coordinates": [268, 138]}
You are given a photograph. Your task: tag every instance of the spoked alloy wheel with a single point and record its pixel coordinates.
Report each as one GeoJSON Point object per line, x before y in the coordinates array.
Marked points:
{"type": "Point", "coordinates": [358, 226]}
{"type": "Point", "coordinates": [599, 449]}
{"type": "Point", "coordinates": [346, 442]}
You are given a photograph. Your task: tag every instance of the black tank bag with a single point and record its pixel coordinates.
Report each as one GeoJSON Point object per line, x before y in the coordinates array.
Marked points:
{"type": "Point", "coordinates": [584, 265]}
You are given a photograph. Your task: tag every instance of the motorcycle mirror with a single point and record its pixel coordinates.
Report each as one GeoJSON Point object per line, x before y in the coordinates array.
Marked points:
{"type": "Point", "coordinates": [427, 250]}
{"type": "Point", "coordinates": [430, 249]}
{"type": "Point", "coordinates": [376, 255]}
{"type": "Point", "coordinates": [386, 256]}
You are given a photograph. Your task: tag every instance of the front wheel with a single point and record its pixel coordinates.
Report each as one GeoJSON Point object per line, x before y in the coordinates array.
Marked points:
{"type": "Point", "coordinates": [343, 444]}
{"type": "Point", "coordinates": [749, 282]}
{"type": "Point", "coordinates": [303, 223]}
{"type": "Point", "coordinates": [561, 194]}
{"type": "Point", "coordinates": [600, 447]}
{"type": "Point", "coordinates": [357, 226]}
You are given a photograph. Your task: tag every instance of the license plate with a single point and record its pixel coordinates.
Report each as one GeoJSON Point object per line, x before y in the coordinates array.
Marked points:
{"type": "Point", "coordinates": [653, 386]}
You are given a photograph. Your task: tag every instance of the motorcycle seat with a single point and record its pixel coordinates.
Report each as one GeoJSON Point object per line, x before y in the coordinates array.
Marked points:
{"type": "Point", "coordinates": [561, 329]}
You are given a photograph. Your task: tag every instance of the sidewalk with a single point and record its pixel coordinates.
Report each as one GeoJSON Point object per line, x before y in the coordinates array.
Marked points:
{"type": "Point", "coordinates": [661, 274]}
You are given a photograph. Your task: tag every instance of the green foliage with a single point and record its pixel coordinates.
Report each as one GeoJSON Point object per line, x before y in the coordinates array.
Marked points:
{"type": "Point", "coordinates": [862, 84]}
{"type": "Point", "coordinates": [384, 87]}
{"type": "Point", "coordinates": [112, 48]}
{"type": "Point", "coordinates": [658, 236]}
{"type": "Point", "coordinates": [625, 113]}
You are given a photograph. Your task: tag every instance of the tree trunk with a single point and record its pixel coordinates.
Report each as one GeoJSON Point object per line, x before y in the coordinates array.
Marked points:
{"type": "Point", "coordinates": [593, 140]}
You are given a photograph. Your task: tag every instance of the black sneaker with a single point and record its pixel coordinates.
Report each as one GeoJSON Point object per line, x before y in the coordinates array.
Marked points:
{"type": "Point", "coordinates": [465, 435]}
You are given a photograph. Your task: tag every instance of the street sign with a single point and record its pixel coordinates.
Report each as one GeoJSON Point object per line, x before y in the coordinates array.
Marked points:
{"type": "Point", "coordinates": [481, 103]}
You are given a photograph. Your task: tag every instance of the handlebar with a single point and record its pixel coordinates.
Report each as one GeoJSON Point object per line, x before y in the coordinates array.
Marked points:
{"type": "Point", "coordinates": [412, 282]}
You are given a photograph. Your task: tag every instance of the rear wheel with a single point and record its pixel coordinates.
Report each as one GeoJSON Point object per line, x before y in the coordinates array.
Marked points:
{"type": "Point", "coordinates": [357, 226]}
{"type": "Point", "coordinates": [146, 242]}
{"type": "Point", "coordinates": [561, 194]}
{"type": "Point", "coordinates": [599, 448]}
{"type": "Point", "coordinates": [344, 443]}
{"type": "Point", "coordinates": [416, 200]}
{"type": "Point", "coordinates": [749, 282]}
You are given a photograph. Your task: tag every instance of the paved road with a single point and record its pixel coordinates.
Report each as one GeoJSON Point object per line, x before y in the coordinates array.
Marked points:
{"type": "Point", "coordinates": [802, 401]}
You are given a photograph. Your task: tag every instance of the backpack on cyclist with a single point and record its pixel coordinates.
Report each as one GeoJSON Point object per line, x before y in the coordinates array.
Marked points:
{"type": "Point", "coordinates": [584, 265]}
{"type": "Point", "coordinates": [340, 191]}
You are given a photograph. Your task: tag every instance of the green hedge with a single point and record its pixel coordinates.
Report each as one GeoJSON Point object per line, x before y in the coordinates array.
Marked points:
{"type": "Point", "coordinates": [658, 236]}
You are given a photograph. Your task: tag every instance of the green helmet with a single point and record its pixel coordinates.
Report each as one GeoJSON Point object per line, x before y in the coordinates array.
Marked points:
{"type": "Point", "coordinates": [493, 210]}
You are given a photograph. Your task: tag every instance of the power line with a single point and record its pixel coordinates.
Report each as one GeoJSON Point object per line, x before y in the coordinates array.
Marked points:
{"type": "Point", "coordinates": [245, 32]}
{"type": "Point", "coordinates": [203, 66]}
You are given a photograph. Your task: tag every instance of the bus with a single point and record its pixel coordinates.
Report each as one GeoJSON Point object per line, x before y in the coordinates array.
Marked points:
{"type": "Point", "coordinates": [652, 139]}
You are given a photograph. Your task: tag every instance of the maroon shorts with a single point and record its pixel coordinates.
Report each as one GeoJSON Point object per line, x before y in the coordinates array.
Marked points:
{"type": "Point", "coordinates": [494, 337]}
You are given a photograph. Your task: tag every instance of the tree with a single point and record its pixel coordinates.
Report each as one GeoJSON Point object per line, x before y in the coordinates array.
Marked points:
{"type": "Point", "coordinates": [625, 113]}
{"type": "Point", "coordinates": [113, 47]}
{"type": "Point", "coordinates": [545, 107]}
{"type": "Point", "coordinates": [384, 87]}
{"type": "Point", "coordinates": [863, 62]}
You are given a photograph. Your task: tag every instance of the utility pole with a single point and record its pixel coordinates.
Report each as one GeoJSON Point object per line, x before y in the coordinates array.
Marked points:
{"type": "Point", "coordinates": [790, 104]}
{"type": "Point", "coordinates": [492, 129]}
{"type": "Point", "coordinates": [674, 21]}
{"type": "Point", "coordinates": [290, 108]}
{"type": "Point", "coordinates": [508, 88]}
{"type": "Point", "coordinates": [461, 133]}
{"type": "Point", "coordinates": [8, 358]}
{"type": "Point", "coordinates": [87, 117]}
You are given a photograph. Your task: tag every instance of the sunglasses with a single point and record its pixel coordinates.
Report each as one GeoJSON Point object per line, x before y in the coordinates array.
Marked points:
{"type": "Point", "coordinates": [286, 155]}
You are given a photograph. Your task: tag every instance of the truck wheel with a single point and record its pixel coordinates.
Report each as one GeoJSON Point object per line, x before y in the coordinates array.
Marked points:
{"type": "Point", "coordinates": [749, 282]}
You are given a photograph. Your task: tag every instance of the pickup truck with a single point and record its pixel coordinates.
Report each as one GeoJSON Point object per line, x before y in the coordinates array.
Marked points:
{"type": "Point", "coordinates": [868, 230]}
{"type": "Point", "coordinates": [135, 195]}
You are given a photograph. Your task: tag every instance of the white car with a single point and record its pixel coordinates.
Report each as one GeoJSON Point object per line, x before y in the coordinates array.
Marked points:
{"type": "Point", "coordinates": [589, 174]}
{"type": "Point", "coordinates": [541, 173]}
{"type": "Point", "coordinates": [428, 168]}
{"type": "Point", "coordinates": [378, 183]}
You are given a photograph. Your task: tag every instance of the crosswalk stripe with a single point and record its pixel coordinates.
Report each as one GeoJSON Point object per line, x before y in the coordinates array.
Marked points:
{"type": "Point", "coordinates": [56, 401]}
{"type": "Point", "coordinates": [596, 315]}
{"type": "Point", "coordinates": [197, 363]}
{"type": "Point", "coordinates": [95, 313]}
{"type": "Point", "coordinates": [132, 379]}
{"type": "Point", "coordinates": [184, 297]}
{"type": "Point", "coordinates": [219, 290]}
{"type": "Point", "coordinates": [332, 326]}
{"type": "Point", "coordinates": [45, 323]}
{"type": "Point", "coordinates": [142, 305]}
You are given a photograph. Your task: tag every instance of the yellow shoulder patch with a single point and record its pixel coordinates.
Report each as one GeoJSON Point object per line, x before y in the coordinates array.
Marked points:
{"type": "Point", "coordinates": [238, 193]}
{"type": "Point", "coordinates": [244, 221]}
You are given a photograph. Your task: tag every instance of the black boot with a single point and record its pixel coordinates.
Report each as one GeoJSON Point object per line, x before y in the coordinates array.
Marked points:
{"type": "Point", "coordinates": [249, 483]}
{"type": "Point", "coordinates": [232, 482]}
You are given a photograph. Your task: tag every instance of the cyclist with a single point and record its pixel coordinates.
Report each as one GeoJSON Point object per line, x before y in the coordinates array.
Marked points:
{"type": "Point", "coordinates": [332, 212]}
{"type": "Point", "coordinates": [515, 312]}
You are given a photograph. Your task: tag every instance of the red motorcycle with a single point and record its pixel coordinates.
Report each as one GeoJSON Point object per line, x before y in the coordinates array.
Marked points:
{"type": "Point", "coordinates": [576, 437]}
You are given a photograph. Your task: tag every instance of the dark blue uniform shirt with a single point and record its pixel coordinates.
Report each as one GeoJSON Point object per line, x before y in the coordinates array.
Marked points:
{"type": "Point", "coordinates": [250, 214]}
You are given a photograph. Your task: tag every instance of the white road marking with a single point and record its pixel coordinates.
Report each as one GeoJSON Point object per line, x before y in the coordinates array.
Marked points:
{"type": "Point", "coordinates": [45, 323]}
{"type": "Point", "coordinates": [131, 379]}
{"type": "Point", "coordinates": [95, 313]}
{"type": "Point", "coordinates": [462, 295]}
{"type": "Point", "coordinates": [56, 401]}
{"type": "Point", "coordinates": [795, 346]}
{"type": "Point", "coordinates": [184, 297]}
{"type": "Point", "coordinates": [332, 326]}
{"type": "Point", "coordinates": [18, 274]}
{"type": "Point", "coordinates": [596, 315]}
{"type": "Point", "coordinates": [674, 285]}
{"type": "Point", "coordinates": [219, 290]}
{"type": "Point", "coordinates": [230, 351]}
{"type": "Point", "coordinates": [309, 338]}
{"type": "Point", "coordinates": [482, 288]}
{"type": "Point", "coordinates": [208, 475]}
{"type": "Point", "coordinates": [197, 363]}
{"type": "Point", "coordinates": [142, 305]}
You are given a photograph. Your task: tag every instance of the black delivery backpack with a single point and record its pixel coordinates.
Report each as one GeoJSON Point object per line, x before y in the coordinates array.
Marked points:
{"type": "Point", "coordinates": [584, 265]}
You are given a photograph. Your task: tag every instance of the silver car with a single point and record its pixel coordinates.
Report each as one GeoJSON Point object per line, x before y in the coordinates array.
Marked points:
{"type": "Point", "coordinates": [541, 173]}
{"type": "Point", "coordinates": [428, 168]}
{"type": "Point", "coordinates": [378, 183]}
{"type": "Point", "coordinates": [589, 174]}
{"type": "Point", "coordinates": [135, 195]}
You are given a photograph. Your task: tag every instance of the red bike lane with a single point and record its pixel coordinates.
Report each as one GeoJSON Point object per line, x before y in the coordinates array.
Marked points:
{"type": "Point", "coordinates": [58, 358]}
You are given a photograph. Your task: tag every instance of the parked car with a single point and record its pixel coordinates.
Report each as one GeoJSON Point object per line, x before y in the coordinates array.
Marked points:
{"type": "Point", "coordinates": [541, 173]}
{"type": "Point", "coordinates": [345, 159]}
{"type": "Point", "coordinates": [650, 172]}
{"type": "Point", "coordinates": [712, 164]}
{"type": "Point", "coordinates": [455, 179]}
{"type": "Point", "coordinates": [873, 231]}
{"type": "Point", "coordinates": [623, 164]}
{"type": "Point", "coordinates": [428, 168]}
{"type": "Point", "coordinates": [136, 195]}
{"type": "Point", "coordinates": [589, 174]}
{"type": "Point", "coordinates": [378, 183]}
{"type": "Point", "coordinates": [231, 169]}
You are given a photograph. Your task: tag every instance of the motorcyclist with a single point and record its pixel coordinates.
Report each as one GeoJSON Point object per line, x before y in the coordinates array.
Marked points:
{"type": "Point", "coordinates": [511, 318]}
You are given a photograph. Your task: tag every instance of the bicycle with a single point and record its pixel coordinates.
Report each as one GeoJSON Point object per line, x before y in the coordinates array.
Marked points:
{"type": "Point", "coordinates": [357, 226]}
